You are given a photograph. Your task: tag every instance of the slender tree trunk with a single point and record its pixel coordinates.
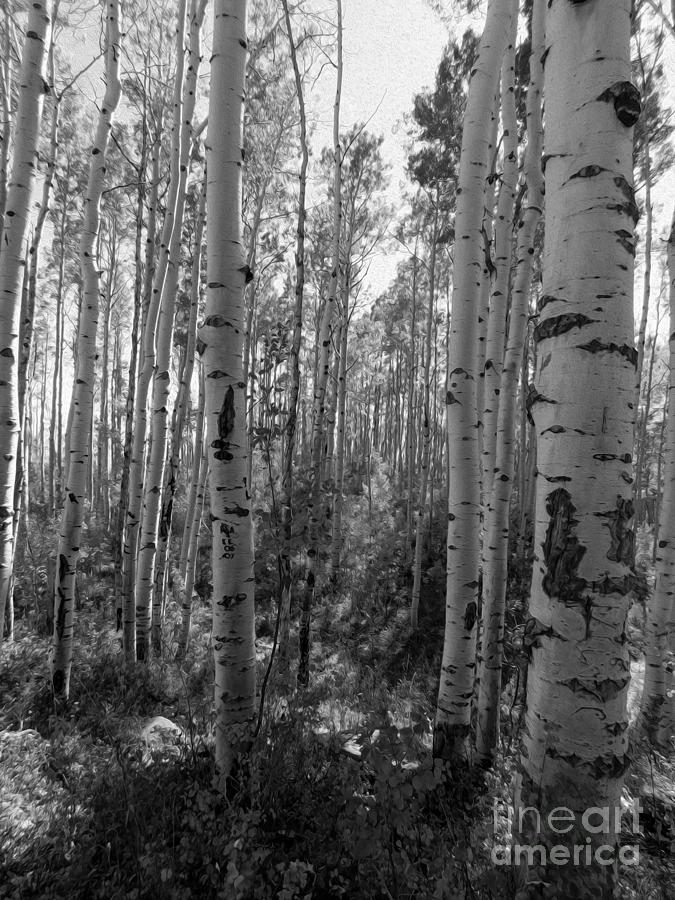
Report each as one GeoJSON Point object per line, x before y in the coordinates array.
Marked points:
{"type": "Point", "coordinates": [410, 503]}
{"type": "Point", "coordinates": [464, 505]}
{"type": "Point", "coordinates": [503, 244]}
{"type": "Point", "coordinates": [103, 479]}
{"type": "Point", "coordinates": [496, 542]}
{"type": "Point", "coordinates": [658, 699]}
{"type": "Point", "coordinates": [285, 569]}
{"type": "Point", "coordinates": [338, 496]}
{"type": "Point", "coordinates": [83, 382]}
{"type": "Point", "coordinates": [426, 434]}
{"type": "Point", "coordinates": [222, 346]}
{"type": "Point", "coordinates": [641, 437]}
{"type": "Point", "coordinates": [137, 454]}
{"type": "Point", "coordinates": [136, 339]}
{"type": "Point", "coordinates": [54, 437]}
{"type": "Point", "coordinates": [583, 411]}
{"type": "Point", "coordinates": [190, 543]}
{"type": "Point", "coordinates": [322, 370]}
{"type": "Point", "coordinates": [157, 348]}
{"type": "Point", "coordinates": [15, 230]}
{"type": "Point", "coordinates": [6, 125]}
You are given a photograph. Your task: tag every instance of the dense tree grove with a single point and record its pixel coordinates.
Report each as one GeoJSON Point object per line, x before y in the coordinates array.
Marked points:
{"type": "Point", "coordinates": [337, 550]}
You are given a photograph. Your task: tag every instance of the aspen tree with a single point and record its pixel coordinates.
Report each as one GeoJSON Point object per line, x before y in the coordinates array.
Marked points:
{"type": "Point", "coordinates": [464, 503]}
{"type": "Point", "coordinates": [496, 540]}
{"type": "Point", "coordinates": [185, 577]}
{"type": "Point", "coordinates": [503, 231]}
{"type": "Point", "coordinates": [658, 699]}
{"type": "Point", "coordinates": [426, 435]}
{"type": "Point", "coordinates": [285, 570]}
{"type": "Point", "coordinates": [574, 742]}
{"type": "Point", "coordinates": [338, 498]}
{"type": "Point", "coordinates": [14, 233]}
{"type": "Point", "coordinates": [321, 379]}
{"type": "Point", "coordinates": [82, 399]}
{"type": "Point", "coordinates": [181, 409]}
{"type": "Point", "coordinates": [221, 343]}
{"type": "Point", "coordinates": [154, 475]}
{"type": "Point", "coordinates": [133, 505]}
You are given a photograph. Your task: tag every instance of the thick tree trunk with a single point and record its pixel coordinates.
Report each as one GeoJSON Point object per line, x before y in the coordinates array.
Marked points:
{"type": "Point", "coordinates": [85, 372]}
{"type": "Point", "coordinates": [658, 699]}
{"type": "Point", "coordinates": [496, 543]}
{"type": "Point", "coordinates": [574, 742]}
{"type": "Point", "coordinates": [15, 230]}
{"type": "Point", "coordinates": [222, 348]}
{"type": "Point", "coordinates": [464, 504]}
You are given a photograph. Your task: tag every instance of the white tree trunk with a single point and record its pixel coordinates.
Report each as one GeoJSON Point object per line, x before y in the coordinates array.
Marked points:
{"type": "Point", "coordinates": [161, 383]}
{"type": "Point", "coordinates": [658, 699]}
{"type": "Point", "coordinates": [82, 400]}
{"type": "Point", "coordinates": [574, 745]}
{"type": "Point", "coordinates": [132, 517]}
{"type": "Point", "coordinates": [185, 577]}
{"type": "Point", "coordinates": [496, 541]}
{"type": "Point", "coordinates": [285, 569]}
{"type": "Point", "coordinates": [14, 232]}
{"type": "Point", "coordinates": [503, 245]}
{"type": "Point", "coordinates": [322, 370]}
{"type": "Point", "coordinates": [222, 348]}
{"type": "Point", "coordinates": [464, 503]}
{"type": "Point", "coordinates": [426, 434]}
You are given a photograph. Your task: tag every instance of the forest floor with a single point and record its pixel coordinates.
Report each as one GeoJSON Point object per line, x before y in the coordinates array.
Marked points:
{"type": "Point", "coordinates": [117, 798]}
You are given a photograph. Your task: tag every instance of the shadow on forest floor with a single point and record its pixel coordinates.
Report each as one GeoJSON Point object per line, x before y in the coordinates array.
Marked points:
{"type": "Point", "coordinates": [342, 799]}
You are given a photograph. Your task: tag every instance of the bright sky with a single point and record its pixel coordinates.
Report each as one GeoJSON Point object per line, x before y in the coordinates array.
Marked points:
{"type": "Point", "coordinates": [391, 51]}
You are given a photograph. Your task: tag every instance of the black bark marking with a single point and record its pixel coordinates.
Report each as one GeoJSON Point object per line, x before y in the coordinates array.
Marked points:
{"type": "Point", "coordinates": [622, 537]}
{"type": "Point", "coordinates": [562, 550]}
{"type": "Point", "coordinates": [248, 274]}
{"type": "Point", "coordinates": [470, 615]}
{"type": "Point", "coordinates": [533, 396]}
{"type": "Point", "coordinates": [557, 325]}
{"type": "Point", "coordinates": [596, 346]}
{"type": "Point", "coordinates": [626, 99]}
{"type": "Point", "coordinates": [549, 298]}
{"type": "Point", "coordinates": [601, 767]}
{"type": "Point", "coordinates": [627, 240]}
{"type": "Point", "coordinates": [535, 631]}
{"type": "Point", "coordinates": [201, 346]}
{"type": "Point", "coordinates": [58, 681]}
{"type": "Point", "coordinates": [226, 415]}
{"type": "Point", "coordinates": [236, 510]}
{"type": "Point", "coordinates": [604, 690]}
{"type": "Point", "coordinates": [588, 172]}
{"type": "Point", "coordinates": [230, 600]}
{"type": "Point", "coordinates": [629, 209]}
